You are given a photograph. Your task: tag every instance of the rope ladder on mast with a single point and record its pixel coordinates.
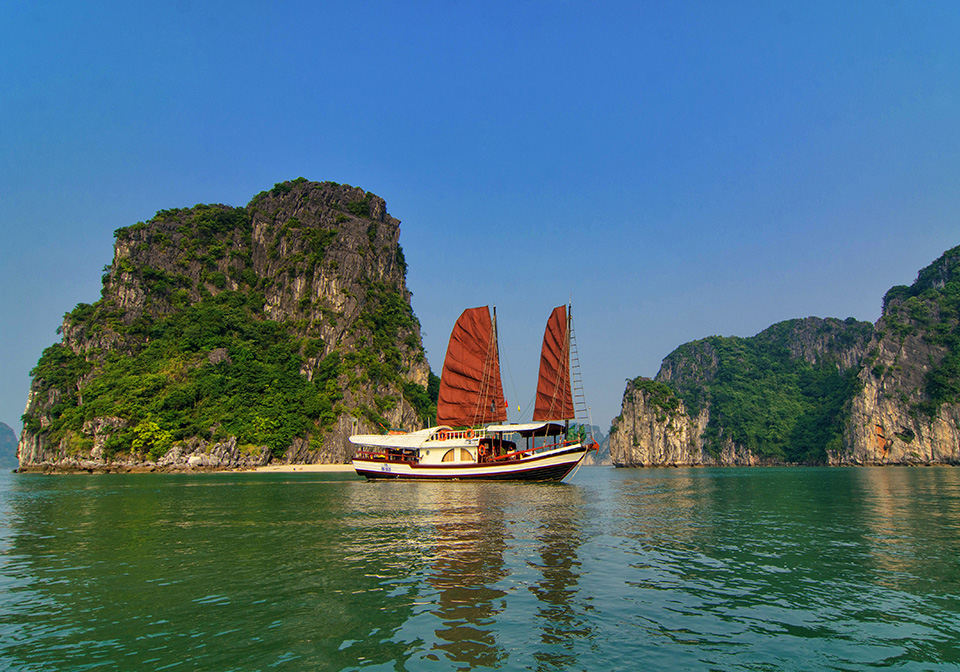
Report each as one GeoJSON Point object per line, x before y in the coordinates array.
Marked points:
{"type": "Point", "coordinates": [580, 408]}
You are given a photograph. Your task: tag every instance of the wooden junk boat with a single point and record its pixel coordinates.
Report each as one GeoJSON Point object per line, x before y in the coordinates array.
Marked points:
{"type": "Point", "coordinates": [471, 440]}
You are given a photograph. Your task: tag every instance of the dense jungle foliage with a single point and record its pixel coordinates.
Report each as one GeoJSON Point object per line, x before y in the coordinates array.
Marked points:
{"type": "Point", "coordinates": [174, 388]}
{"type": "Point", "coordinates": [767, 401]}
{"type": "Point", "coordinates": [212, 370]}
{"type": "Point", "coordinates": [774, 405]}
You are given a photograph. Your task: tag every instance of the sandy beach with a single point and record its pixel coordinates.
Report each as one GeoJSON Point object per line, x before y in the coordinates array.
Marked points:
{"type": "Point", "coordinates": [305, 467]}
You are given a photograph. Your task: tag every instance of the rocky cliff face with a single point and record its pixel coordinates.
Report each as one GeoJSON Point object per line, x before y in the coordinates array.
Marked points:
{"type": "Point", "coordinates": [655, 430]}
{"type": "Point", "coordinates": [810, 390]}
{"type": "Point", "coordinates": [908, 408]}
{"type": "Point", "coordinates": [235, 336]}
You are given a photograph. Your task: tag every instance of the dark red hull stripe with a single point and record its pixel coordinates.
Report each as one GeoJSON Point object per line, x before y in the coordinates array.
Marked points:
{"type": "Point", "coordinates": [551, 473]}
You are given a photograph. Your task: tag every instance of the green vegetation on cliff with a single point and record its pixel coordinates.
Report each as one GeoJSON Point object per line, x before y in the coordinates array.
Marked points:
{"type": "Point", "coordinates": [815, 390]}
{"type": "Point", "coordinates": [767, 398]}
{"type": "Point", "coordinates": [657, 395]}
{"type": "Point", "coordinates": [212, 370]}
{"type": "Point", "coordinates": [266, 323]}
{"type": "Point", "coordinates": [774, 405]}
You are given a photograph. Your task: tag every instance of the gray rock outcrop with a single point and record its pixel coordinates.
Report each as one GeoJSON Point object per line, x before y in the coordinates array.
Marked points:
{"type": "Point", "coordinates": [895, 395]}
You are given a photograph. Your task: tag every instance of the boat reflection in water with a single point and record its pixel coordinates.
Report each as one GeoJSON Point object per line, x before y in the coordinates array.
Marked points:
{"type": "Point", "coordinates": [466, 573]}
{"type": "Point", "coordinates": [562, 610]}
{"type": "Point", "coordinates": [483, 609]}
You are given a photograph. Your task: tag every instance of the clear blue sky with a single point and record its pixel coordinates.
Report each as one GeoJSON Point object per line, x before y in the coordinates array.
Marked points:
{"type": "Point", "coordinates": [678, 169]}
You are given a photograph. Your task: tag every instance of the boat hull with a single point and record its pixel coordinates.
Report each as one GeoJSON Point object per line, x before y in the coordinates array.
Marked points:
{"type": "Point", "coordinates": [552, 466]}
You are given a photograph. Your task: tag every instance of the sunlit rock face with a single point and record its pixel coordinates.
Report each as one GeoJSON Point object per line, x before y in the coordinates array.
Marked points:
{"type": "Point", "coordinates": [810, 391]}
{"type": "Point", "coordinates": [907, 411]}
{"type": "Point", "coordinates": [320, 262]}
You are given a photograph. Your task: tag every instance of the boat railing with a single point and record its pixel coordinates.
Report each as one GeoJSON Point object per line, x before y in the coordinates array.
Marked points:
{"type": "Point", "coordinates": [405, 457]}
{"type": "Point", "coordinates": [463, 434]}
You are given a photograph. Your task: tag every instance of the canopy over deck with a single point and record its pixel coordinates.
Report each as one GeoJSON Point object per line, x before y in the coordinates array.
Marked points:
{"type": "Point", "coordinates": [526, 429]}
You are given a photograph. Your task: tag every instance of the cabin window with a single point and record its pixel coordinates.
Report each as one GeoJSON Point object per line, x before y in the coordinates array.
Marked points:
{"type": "Point", "coordinates": [451, 455]}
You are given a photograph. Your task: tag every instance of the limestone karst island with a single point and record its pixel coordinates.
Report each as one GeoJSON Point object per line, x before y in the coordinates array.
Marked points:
{"type": "Point", "coordinates": [810, 391]}
{"type": "Point", "coordinates": [232, 337]}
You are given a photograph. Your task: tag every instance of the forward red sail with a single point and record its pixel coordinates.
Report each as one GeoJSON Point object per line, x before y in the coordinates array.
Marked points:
{"type": "Point", "coordinates": [471, 392]}
{"type": "Point", "coordinates": [554, 396]}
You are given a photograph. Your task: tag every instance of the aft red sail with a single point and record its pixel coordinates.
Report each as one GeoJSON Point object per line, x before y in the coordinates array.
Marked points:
{"type": "Point", "coordinates": [471, 392]}
{"type": "Point", "coordinates": [554, 397]}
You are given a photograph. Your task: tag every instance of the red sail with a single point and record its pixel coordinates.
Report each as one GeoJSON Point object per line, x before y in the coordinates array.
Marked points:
{"type": "Point", "coordinates": [554, 397]}
{"type": "Point", "coordinates": [470, 389]}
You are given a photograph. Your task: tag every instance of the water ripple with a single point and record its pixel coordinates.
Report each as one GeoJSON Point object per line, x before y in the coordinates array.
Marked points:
{"type": "Point", "coordinates": [710, 569]}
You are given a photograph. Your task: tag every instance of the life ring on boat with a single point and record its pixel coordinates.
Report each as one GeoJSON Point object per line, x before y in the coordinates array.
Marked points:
{"type": "Point", "coordinates": [468, 434]}
{"type": "Point", "coordinates": [443, 435]}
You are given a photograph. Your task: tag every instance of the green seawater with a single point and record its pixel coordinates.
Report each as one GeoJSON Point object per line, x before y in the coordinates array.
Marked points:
{"type": "Point", "coordinates": [664, 569]}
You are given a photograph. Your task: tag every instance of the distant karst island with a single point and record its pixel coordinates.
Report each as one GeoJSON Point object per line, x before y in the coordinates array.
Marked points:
{"type": "Point", "coordinates": [233, 337]}
{"type": "Point", "coordinates": [810, 391]}
{"type": "Point", "coordinates": [8, 447]}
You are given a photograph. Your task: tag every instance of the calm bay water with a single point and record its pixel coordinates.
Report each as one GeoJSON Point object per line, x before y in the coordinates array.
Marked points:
{"type": "Point", "coordinates": [705, 569]}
